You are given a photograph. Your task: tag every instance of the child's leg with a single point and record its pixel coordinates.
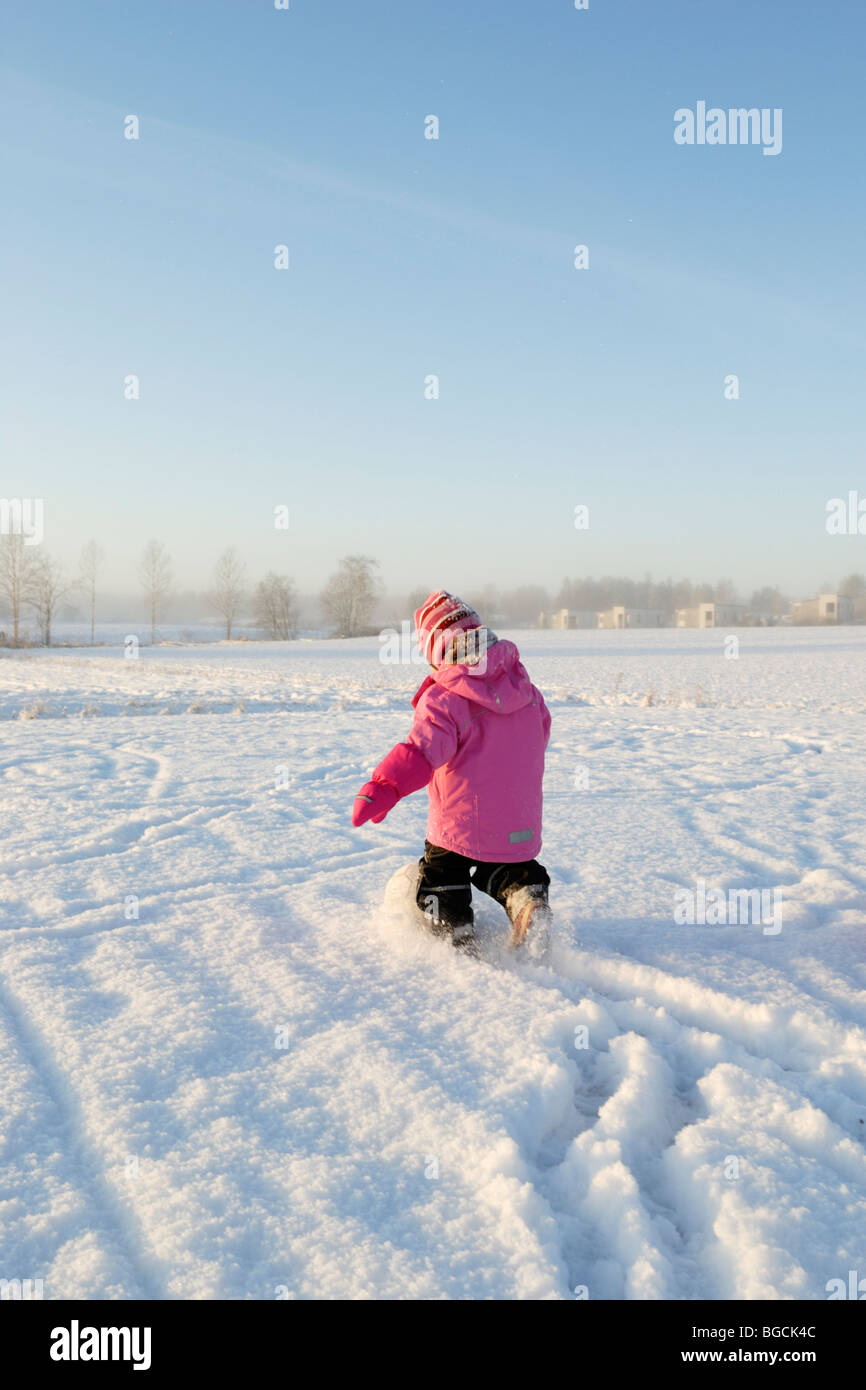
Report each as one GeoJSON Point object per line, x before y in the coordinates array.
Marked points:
{"type": "Point", "coordinates": [501, 880]}
{"type": "Point", "coordinates": [444, 891]}
{"type": "Point", "coordinates": [522, 891]}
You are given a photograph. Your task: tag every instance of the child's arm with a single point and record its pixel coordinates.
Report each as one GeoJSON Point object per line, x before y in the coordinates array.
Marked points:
{"type": "Point", "coordinates": [410, 765]}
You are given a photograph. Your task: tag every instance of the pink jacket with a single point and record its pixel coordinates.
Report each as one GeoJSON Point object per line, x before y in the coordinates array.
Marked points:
{"type": "Point", "coordinates": [478, 740]}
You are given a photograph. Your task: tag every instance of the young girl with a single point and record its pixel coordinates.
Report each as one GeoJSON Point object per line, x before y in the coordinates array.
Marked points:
{"type": "Point", "coordinates": [478, 741]}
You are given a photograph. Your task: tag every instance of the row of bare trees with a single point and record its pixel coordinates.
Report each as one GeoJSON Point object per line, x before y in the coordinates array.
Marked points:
{"type": "Point", "coordinates": [273, 601]}
{"type": "Point", "coordinates": [347, 599]}
{"type": "Point", "coordinates": [32, 581]}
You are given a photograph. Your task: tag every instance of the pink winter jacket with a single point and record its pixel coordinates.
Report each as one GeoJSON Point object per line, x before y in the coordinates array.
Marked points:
{"type": "Point", "coordinates": [478, 740]}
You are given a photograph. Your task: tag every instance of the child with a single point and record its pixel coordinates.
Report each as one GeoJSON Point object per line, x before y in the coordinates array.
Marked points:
{"type": "Point", "coordinates": [478, 740]}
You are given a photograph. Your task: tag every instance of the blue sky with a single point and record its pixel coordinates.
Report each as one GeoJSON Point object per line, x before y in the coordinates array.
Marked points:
{"type": "Point", "coordinates": [410, 257]}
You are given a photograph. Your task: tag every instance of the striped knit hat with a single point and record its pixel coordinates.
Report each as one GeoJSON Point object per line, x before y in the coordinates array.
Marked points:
{"type": "Point", "coordinates": [439, 620]}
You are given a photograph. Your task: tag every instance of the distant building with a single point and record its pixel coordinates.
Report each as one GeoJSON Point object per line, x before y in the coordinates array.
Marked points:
{"type": "Point", "coordinates": [826, 608]}
{"type": "Point", "coordinates": [711, 615]}
{"type": "Point", "coordinates": [620, 617]}
{"type": "Point", "coordinates": [569, 617]}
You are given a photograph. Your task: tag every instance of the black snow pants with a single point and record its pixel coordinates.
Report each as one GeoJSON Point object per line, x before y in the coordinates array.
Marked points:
{"type": "Point", "coordinates": [445, 883]}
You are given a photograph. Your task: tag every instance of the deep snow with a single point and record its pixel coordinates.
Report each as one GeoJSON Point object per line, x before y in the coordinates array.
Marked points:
{"type": "Point", "coordinates": [263, 1087]}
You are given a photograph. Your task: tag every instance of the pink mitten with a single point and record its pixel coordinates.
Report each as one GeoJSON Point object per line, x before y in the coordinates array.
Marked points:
{"type": "Point", "coordinates": [373, 802]}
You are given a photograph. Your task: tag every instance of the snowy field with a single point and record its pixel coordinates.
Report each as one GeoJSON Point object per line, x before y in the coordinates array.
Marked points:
{"type": "Point", "coordinates": [225, 1074]}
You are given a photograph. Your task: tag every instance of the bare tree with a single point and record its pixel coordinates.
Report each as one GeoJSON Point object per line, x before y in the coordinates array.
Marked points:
{"type": "Point", "coordinates": [229, 579]}
{"type": "Point", "coordinates": [90, 564]}
{"type": "Point", "coordinates": [154, 572]}
{"type": "Point", "coordinates": [350, 594]}
{"type": "Point", "coordinates": [275, 606]}
{"type": "Point", "coordinates": [48, 585]}
{"type": "Point", "coordinates": [17, 567]}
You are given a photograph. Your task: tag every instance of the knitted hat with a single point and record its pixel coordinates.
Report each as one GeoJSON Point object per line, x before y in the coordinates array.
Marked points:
{"type": "Point", "coordinates": [439, 620]}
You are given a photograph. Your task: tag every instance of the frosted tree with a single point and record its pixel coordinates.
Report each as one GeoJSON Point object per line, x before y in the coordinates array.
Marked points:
{"type": "Point", "coordinates": [48, 585]}
{"type": "Point", "coordinates": [89, 567]}
{"type": "Point", "coordinates": [229, 583]}
{"type": "Point", "coordinates": [275, 607]}
{"type": "Point", "coordinates": [350, 594]}
{"type": "Point", "coordinates": [154, 572]}
{"type": "Point", "coordinates": [17, 567]}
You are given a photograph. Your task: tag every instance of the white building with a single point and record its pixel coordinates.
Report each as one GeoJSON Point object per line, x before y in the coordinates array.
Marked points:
{"type": "Point", "coordinates": [569, 617]}
{"type": "Point", "coordinates": [711, 615]}
{"type": "Point", "coordinates": [826, 608]}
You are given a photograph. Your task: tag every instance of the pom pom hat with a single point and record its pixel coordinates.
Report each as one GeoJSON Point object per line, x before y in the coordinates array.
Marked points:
{"type": "Point", "coordinates": [439, 620]}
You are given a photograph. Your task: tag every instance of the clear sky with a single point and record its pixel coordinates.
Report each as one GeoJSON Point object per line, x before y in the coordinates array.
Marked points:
{"type": "Point", "coordinates": [453, 257]}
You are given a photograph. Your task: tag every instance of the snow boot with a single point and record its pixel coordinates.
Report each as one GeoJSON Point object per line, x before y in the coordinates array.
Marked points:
{"type": "Point", "coordinates": [531, 918]}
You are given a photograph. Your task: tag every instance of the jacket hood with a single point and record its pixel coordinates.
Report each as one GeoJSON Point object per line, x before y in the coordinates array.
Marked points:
{"type": "Point", "coordinates": [501, 684]}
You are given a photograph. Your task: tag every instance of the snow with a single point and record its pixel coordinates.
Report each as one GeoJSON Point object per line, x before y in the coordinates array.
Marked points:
{"type": "Point", "coordinates": [262, 1086]}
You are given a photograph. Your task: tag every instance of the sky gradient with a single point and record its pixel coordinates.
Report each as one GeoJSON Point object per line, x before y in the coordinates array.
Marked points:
{"type": "Point", "coordinates": [453, 257]}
